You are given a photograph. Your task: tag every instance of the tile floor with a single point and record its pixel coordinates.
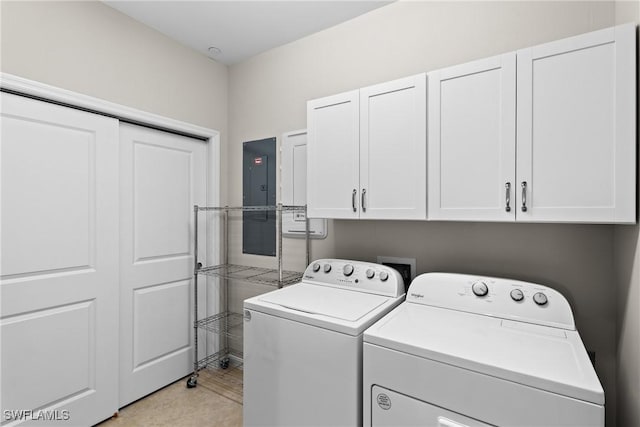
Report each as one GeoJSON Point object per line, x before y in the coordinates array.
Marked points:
{"type": "Point", "coordinates": [215, 401]}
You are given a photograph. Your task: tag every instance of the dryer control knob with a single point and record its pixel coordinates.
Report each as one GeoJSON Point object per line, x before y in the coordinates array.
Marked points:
{"type": "Point", "coordinates": [316, 267]}
{"type": "Point", "coordinates": [384, 276]}
{"type": "Point", "coordinates": [370, 273]}
{"type": "Point", "coordinates": [347, 270]}
{"type": "Point", "coordinates": [480, 288]}
{"type": "Point", "coordinates": [540, 298]}
{"type": "Point", "coordinates": [517, 295]}
{"type": "Point", "coordinates": [327, 268]}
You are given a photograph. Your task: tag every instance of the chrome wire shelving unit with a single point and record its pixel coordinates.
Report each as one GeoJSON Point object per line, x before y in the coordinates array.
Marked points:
{"type": "Point", "coordinates": [262, 276]}
{"type": "Point", "coordinates": [227, 325]}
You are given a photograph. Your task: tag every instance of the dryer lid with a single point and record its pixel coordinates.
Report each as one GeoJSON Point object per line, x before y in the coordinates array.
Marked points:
{"type": "Point", "coordinates": [325, 301]}
{"type": "Point", "coordinates": [543, 357]}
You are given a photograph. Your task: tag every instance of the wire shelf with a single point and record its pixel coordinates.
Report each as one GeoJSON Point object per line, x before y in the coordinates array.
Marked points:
{"type": "Point", "coordinates": [263, 276]}
{"type": "Point", "coordinates": [226, 323]}
{"type": "Point", "coordinates": [283, 208]}
{"type": "Point", "coordinates": [229, 325]}
{"type": "Point", "coordinates": [215, 360]}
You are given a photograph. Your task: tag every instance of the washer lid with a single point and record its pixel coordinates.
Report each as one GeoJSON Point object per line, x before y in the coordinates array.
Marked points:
{"type": "Point", "coordinates": [324, 301]}
{"type": "Point", "coordinates": [340, 310]}
{"type": "Point", "coordinates": [543, 357]}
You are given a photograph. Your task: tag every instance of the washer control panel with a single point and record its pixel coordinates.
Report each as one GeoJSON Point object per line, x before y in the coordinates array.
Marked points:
{"type": "Point", "coordinates": [355, 275]}
{"type": "Point", "coordinates": [491, 296]}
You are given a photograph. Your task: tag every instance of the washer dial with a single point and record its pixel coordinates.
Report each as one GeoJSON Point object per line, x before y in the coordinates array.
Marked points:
{"type": "Point", "coordinates": [370, 273]}
{"type": "Point", "coordinates": [517, 295]}
{"type": "Point", "coordinates": [327, 268]}
{"type": "Point", "coordinates": [480, 288]}
{"type": "Point", "coordinates": [347, 270]}
{"type": "Point", "coordinates": [384, 276]}
{"type": "Point", "coordinates": [316, 267]}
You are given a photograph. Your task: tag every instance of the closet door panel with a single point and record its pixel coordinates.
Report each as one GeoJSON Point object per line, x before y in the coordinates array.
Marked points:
{"type": "Point", "coordinates": [161, 177]}
{"type": "Point", "coordinates": [59, 279]}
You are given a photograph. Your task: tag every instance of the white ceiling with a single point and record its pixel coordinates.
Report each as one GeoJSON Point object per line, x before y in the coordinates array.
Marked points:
{"type": "Point", "coordinates": [241, 29]}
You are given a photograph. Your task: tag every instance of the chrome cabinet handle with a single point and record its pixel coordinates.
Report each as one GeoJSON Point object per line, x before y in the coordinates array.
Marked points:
{"type": "Point", "coordinates": [524, 196]}
{"type": "Point", "coordinates": [507, 189]}
{"type": "Point", "coordinates": [353, 199]}
{"type": "Point", "coordinates": [364, 208]}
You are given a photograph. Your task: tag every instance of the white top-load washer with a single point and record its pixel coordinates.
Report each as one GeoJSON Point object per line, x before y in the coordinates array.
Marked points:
{"type": "Point", "coordinates": [303, 344]}
{"type": "Point", "coordinates": [475, 351]}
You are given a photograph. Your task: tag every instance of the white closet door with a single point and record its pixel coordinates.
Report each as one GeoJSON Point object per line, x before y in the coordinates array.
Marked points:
{"type": "Point", "coordinates": [472, 141]}
{"type": "Point", "coordinates": [576, 128]}
{"type": "Point", "coordinates": [161, 177]}
{"type": "Point", "coordinates": [393, 149]}
{"type": "Point", "coordinates": [59, 279]}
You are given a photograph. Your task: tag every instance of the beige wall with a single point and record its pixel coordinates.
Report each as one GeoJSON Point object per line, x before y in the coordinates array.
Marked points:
{"type": "Point", "coordinates": [90, 48]}
{"type": "Point", "coordinates": [627, 270]}
{"type": "Point", "coordinates": [268, 94]}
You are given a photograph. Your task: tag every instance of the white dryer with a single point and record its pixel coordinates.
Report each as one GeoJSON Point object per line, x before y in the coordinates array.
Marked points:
{"type": "Point", "coordinates": [476, 351]}
{"type": "Point", "coordinates": [303, 344]}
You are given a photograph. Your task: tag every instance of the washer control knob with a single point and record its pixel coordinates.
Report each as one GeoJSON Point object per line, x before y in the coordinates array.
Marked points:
{"type": "Point", "coordinates": [370, 273]}
{"type": "Point", "coordinates": [480, 288]}
{"type": "Point", "coordinates": [347, 270]}
{"type": "Point", "coordinates": [327, 268]}
{"type": "Point", "coordinates": [316, 267]}
{"type": "Point", "coordinates": [540, 298]}
{"type": "Point", "coordinates": [384, 276]}
{"type": "Point", "coordinates": [517, 295]}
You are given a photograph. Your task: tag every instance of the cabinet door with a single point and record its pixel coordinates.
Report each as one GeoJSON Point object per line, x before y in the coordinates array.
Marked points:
{"type": "Point", "coordinates": [293, 186]}
{"type": "Point", "coordinates": [393, 149]}
{"type": "Point", "coordinates": [576, 129]}
{"type": "Point", "coordinates": [59, 305]}
{"type": "Point", "coordinates": [472, 117]}
{"type": "Point", "coordinates": [332, 156]}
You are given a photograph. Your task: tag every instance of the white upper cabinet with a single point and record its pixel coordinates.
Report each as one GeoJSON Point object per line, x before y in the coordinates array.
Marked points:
{"type": "Point", "coordinates": [333, 156]}
{"type": "Point", "coordinates": [367, 152]}
{"type": "Point", "coordinates": [393, 149]}
{"type": "Point", "coordinates": [576, 129]}
{"type": "Point", "coordinates": [472, 133]}
{"type": "Point", "coordinates": [572, 157]}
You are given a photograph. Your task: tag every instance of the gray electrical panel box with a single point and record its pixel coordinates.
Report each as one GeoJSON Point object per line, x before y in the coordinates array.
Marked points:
{"type": "Point", "coordinates": [259, 189]}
